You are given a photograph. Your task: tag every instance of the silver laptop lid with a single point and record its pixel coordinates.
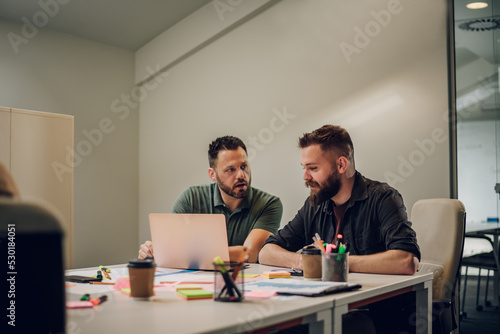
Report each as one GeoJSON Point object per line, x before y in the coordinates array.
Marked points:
{"type": "Point", "coordinates": [188, 241]}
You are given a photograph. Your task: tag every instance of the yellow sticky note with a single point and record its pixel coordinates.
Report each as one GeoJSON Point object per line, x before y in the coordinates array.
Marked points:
{"type": "Point", "coordinates": [188, 287]}
{"type": "Point", "coordinates": [277, 274]}
{"type": "Point", "coordinates": [248, 275]}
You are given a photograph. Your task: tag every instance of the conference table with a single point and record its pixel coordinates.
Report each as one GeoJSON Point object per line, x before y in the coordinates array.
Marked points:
{"type": "Point", "coordinates": [167, 313]}
{"type": "Point", "coordinates": [492, 229]}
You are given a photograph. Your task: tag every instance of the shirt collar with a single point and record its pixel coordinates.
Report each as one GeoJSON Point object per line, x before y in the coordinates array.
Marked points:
{"type": "Point", "coordinates": [360, 188]}
{"type": "Point", "coordinates": [216, 195]}
{"type": "Point", "coordinates": [327, 206]}
{"type": "Point", "coordinates": [247, 200]}
{"type": "Point", "coordinates": [245, 204]}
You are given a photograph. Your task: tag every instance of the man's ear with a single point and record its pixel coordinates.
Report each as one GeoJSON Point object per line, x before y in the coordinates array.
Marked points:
{"type": "Point", "coordinates": [211, 174]}
{"type": "Point", "coordinates": [342, 163]}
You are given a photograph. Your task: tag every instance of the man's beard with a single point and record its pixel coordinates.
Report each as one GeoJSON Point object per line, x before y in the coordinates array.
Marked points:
{"type": "Point", "coordinates": [326, 190]}
{"type": "Point", "coordinates": [229, 190]}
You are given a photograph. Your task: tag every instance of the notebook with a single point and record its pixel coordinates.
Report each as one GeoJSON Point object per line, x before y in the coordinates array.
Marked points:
{"type": "Point", "coordinates": [188, 241]}
{"type": "Point", "coordinates": [301, 287]}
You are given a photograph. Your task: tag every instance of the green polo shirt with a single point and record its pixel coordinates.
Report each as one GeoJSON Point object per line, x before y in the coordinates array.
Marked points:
{"type": "Point", "coordinates": [258, 210]}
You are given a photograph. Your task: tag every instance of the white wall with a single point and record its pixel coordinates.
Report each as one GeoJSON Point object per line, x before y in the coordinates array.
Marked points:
{"type": "Point", "coordinates": [58, 73]}
{"type": "Point", "coordinates": [391, 94]}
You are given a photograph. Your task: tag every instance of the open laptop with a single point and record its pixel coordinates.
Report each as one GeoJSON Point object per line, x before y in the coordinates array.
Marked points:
{"type": "Point", "coordinates": [188, 241]}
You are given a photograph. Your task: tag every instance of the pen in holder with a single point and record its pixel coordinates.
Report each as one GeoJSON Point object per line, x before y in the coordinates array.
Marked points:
{"type": "Point", "coordinates": [335, 267]}
{"type": "Point", "coordinates": [228, 286]}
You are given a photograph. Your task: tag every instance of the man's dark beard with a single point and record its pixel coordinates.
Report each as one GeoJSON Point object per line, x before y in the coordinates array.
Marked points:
{"type": "Point", "coordinates": [326, 191]}
{"type": "Point", "coordinates": [229, 191]}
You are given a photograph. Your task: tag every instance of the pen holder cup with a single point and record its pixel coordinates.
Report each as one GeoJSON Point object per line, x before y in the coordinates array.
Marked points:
{"type": "Point", "coordinates": [335, 267]}
{"type": "Point", "coordinates": [228, 282]}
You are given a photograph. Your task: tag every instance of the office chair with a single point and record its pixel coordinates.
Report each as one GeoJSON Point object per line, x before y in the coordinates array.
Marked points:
{"type": "Point", "coordinates": [440, 227]}
{"type": "Point", "coordinates": [34, 297]}
{"type": "Point", "coordinates": [488, 261]}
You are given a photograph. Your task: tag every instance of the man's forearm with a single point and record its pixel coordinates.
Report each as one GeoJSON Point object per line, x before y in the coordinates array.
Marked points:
{"type": "Point", "coordinates": [234, 253]}
{"type": "Point", "coordinates": [274, 255]}
{"type": "Point", "coordinates": [254, 242]}
{"type": "Point", "coordinates": [388, 262]}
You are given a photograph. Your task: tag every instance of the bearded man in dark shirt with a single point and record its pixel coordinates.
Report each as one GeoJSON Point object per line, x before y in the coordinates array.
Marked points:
{"type": "Point", "coordinates": [371, 217]}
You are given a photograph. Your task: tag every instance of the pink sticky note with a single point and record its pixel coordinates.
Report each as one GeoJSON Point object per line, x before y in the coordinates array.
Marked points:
{"type": "Point", "coordinates": [78, 304]}
{"type": "Point", "coordinates": [122, 283]}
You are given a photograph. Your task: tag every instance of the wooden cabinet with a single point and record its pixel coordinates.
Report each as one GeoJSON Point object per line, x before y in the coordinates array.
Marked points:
{"type": "Point", "coordinates": [5, 136]}
{"type": "Point", "coordinates": [37, 149]}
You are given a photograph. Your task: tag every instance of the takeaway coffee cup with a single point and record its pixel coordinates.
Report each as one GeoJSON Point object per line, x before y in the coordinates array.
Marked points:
{"type": "Point", "coordinates": [335, 267]}
{"type": "Point", "coordinates": [311, 263]}
{"type": "Point", "coordinates": [141, 274]}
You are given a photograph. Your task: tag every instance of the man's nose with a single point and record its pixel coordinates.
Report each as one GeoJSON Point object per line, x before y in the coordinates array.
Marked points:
{"type": "Point", "coordinates": [240, 174]}
{"type": "Point", "coordinates": [306, 176]}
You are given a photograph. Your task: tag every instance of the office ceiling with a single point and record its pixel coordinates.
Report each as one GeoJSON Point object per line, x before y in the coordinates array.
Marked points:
{"type": "Point", "coordinates": [130, 24]}
{"type": "Point", "coordinates": [480, 42]}
{"type": "Point", "coordinates": [127, 24]}
{"type": "Point", "coordinates": [477, 59]}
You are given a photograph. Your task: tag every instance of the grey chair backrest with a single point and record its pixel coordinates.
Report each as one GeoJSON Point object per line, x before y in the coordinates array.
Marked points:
{"type": "Point", "coordinates": [440, 227]}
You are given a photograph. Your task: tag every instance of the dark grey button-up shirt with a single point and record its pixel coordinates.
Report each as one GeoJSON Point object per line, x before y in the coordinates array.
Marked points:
{"type": "Point", "coordinates": [375, 220]}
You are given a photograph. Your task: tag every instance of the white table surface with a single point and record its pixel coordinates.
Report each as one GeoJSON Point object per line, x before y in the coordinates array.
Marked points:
{"type": "Point", "coordinates": [481, 227]}
{"type": "Point", "coordinates": [167, 313]}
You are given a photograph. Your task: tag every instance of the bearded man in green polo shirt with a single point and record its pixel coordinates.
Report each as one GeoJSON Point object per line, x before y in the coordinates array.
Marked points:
{"type": "Point", "coordinates": [252, 215]}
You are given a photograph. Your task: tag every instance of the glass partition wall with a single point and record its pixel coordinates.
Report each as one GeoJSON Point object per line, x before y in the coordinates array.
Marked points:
{"type": "Point", "coordinates": [477, 61]}
{"type": "Point", "coordinates": [477, 49]}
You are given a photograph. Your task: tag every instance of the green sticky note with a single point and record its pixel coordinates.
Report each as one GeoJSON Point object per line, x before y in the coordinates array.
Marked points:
{"type": "Point", "coordinates": [195, 294]}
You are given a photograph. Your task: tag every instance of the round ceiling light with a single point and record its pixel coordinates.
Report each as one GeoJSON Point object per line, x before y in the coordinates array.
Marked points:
{"type": "Point", "coordinates": [481, 25]}
{"type": "Point", "coordinates": [477, 5]}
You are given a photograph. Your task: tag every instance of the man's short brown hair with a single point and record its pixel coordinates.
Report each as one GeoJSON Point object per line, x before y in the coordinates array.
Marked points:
{"type": "Point", "coordinates": [330, 138]}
